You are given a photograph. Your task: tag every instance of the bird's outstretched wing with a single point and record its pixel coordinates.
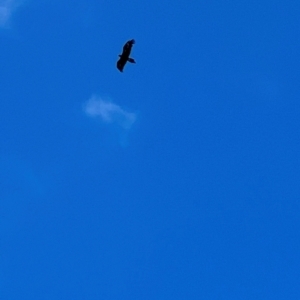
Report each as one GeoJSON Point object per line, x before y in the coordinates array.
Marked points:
{"type": "Point", "coordinates": [121, 64]}
{"type": "Point", "coordinates": [127, 47]}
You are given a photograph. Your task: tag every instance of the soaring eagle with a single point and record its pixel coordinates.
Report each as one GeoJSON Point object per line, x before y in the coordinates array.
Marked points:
{"type": "Point", "coordinates": [124, 57]}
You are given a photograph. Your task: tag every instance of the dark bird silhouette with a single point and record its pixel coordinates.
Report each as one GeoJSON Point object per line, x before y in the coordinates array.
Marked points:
{"type": "Point", "coordinates": [124, 57]}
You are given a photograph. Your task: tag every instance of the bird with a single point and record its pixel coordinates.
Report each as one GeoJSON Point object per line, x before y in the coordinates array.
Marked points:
{"type": "Point", "coordinates": [124, 57]}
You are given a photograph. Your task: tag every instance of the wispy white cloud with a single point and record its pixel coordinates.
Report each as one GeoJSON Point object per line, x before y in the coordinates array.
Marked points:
{"type": "Point", "coordinates": [109, 112]}
{"type": "Point", "coordinates": [7, 7]}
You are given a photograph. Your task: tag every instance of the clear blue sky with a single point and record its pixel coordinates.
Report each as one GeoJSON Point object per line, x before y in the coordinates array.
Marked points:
{"type": "Point", "coordinates": [177, 179]}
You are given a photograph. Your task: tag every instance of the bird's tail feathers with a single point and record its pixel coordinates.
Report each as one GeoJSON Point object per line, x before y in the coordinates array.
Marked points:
{"type": "Point", "coordinates": [131, 60]}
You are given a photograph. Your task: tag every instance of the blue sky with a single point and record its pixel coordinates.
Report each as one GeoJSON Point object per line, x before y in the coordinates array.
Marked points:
{"type": "Point", "coordinates": [177, 179]}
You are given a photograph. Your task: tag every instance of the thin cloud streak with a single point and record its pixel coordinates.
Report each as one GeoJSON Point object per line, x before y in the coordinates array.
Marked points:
{"type": "Point", "coordinates": [109, 112]}
{"type": "Point", "coordinates": [7, 7]}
